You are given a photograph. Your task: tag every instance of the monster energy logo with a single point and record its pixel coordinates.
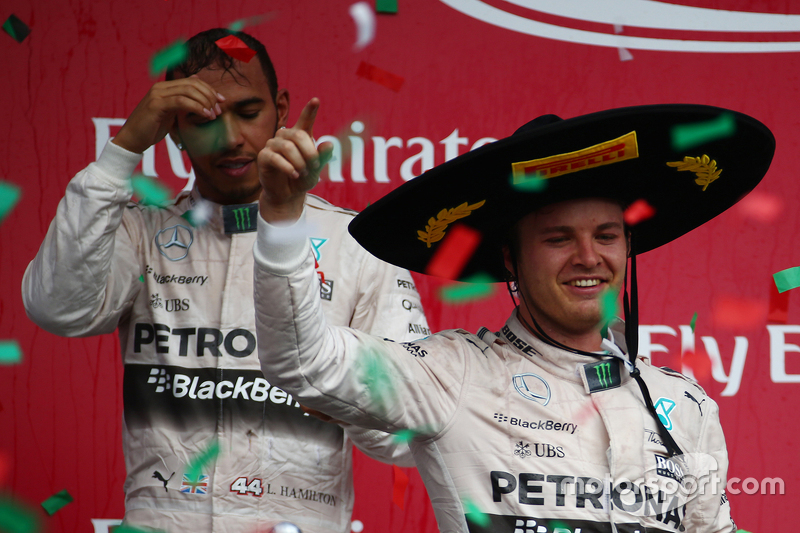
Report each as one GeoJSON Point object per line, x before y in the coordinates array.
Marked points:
{"type": "Point", "coordinates": [604, 374]}
{"type": "Point", "coordinates": [242, 214]}
{"type": "Point", "coordinates": [239, 218]}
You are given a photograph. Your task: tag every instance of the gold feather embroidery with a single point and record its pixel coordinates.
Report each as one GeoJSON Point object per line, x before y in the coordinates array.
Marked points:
{"type": "Point", "coordinates": [434, 231]}
{"type": "Point", "coordinates": [704, 168]}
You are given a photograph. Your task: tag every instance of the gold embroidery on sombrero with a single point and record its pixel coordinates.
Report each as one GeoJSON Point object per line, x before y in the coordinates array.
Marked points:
{"type": "Point", "coordinates": [434, 231]}
{"type": "Point", "coordinates": [704, 168]}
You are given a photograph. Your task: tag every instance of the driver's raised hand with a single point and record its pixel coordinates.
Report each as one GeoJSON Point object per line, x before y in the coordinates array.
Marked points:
{"type": "Point", "coordinates": [289, 166]}
{"type": "Point", "coordinates": [155, 115]}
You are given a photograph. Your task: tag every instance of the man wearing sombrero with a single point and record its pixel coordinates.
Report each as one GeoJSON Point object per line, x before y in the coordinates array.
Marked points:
{"type": "Point", "coordinates": [549, 425]}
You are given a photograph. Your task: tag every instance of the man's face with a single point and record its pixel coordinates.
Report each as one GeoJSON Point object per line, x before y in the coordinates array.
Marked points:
{"type": "Point", "coordinates": [224, 151]}
{"type": "Point", "coordinates": [570, 253]}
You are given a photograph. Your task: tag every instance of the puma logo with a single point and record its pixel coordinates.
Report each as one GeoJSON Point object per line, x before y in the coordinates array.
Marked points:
{"type": "Point", "coordinates": [695, 401]}
{"type": "Point", "coordinates": [159, 477]}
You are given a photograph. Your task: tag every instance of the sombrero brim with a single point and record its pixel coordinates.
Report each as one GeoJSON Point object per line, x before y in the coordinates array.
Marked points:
{"type": "Point", "coordinates": [625, 154]}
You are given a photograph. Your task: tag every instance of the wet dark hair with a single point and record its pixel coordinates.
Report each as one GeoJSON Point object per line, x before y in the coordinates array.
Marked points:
{"type": "Point", "coordinates": [204, 52]}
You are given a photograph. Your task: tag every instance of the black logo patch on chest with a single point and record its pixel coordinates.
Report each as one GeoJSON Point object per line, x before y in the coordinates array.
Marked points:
{"type": "Point", "coordinates": [603, 375]}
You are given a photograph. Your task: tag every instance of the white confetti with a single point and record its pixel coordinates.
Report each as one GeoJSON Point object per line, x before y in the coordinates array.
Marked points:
{"type": "Point", "coordinates": [364, 17]}
{"type": "Point", "coordinates": [285, 527]}
{"type": "Point", "coordinates": [357, 526]}
{"type": "Point", "coordinates": [201, 213]}
{"type": "Point", "coordinates": [624, 54]}
{"type": "Point", "coordinates": [617, 28]}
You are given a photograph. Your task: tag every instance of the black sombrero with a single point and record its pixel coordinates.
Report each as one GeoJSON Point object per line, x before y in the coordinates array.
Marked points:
{"type": "Point", "coordinates": [625, 154]}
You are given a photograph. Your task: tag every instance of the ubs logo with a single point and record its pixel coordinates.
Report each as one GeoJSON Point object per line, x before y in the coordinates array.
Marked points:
{"type": "Point", "coordinates": [532, 387]}
{"type": "Point", "coordinates": [174, 242]}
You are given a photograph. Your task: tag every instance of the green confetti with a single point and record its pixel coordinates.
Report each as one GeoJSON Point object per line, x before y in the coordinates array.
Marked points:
{"type": "Point", "coordinates": [212, 138]}
{"type": "Point", "coordinates": [787, 279]}
{"type": "Point", "coordinates": [141, 278]}
{"type": "Point", "coordinates": [560, 527]}
{"type": "Point", "coordinates": [150, 191]}
{"type": "Point", "coordinates": [10, 353]}
{"type": "Point", "coordinates": [189, 217]}
{"type": "Point", "coordinates": [693, 322]}
{"type": "Point", "coordinates": [202, 459]}
{"type": "Point", "coordinates": [475, 515]}
{"type": "Point", "coordinates": [17, 29]}
{"type": "Point", "coordinates": [528, 183]}
{"type": "Point", "coordinates": [386, 6]}
{"type": "Point", "coordinates": [325, 157]}
{"type": "Point", "coordinates": [685, 136]}
{"type": "Point", "coordinates": [239, 25]}
{"type": "Point", "coordinates": [9, 196]}
{"type": "Point", "coordinates": [16, 517]}
{"type": "Point", "coordinates": [608, 305]}
{"type": "Point", "coordinates": [404, 436]}
{"type": "Point", "coordinates": [472, 288]}
{"type": "Point", "coordinates": [169, 57]}
{"type": "Point", "coordinates": [741, 531]}
{"type": "Point", "coordinates": [376, 376]}
{"type": "Point", "coordinates": [56, 502]}
{"type": "Point", "coordinates": [131, 529]}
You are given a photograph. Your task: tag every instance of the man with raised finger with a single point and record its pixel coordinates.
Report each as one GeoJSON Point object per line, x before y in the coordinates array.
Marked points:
{"type": "Point", "coordinates": [176, 282]}
{"type": "Point", "coordinates": [555, 423]}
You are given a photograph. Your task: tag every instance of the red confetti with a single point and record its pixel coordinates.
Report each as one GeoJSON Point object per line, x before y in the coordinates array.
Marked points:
{"type": "Point", "coordinates": [454, 252]}
{"type": "Point", "coordinates": [638, 211]}
{"type": "Point", "coordinates": [760, 206]}
{"type": "Point", "coordinates": [734, 313]}
{"type": "Point", "coordinates": [380, 76]}
{"type": "Point", "coordinates": [699, 362]}
{"type": "Point", "coordinates": [235, 47]}
{"type": "Point", "coordinates": [400, 484]}
{"type": "Point", "coordinates": [778, 305]}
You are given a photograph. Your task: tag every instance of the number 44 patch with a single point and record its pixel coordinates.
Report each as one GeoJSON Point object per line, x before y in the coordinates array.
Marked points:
{"type": "Point", "coordinates": [243, 487]}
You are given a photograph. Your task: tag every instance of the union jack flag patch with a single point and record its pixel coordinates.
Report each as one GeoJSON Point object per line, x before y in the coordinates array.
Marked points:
{"type": "Point", "coordinates": [199, 486]}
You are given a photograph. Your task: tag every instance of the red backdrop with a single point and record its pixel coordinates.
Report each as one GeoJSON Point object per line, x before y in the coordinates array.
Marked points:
{"type": "Point", "coordinates": [467, 77]}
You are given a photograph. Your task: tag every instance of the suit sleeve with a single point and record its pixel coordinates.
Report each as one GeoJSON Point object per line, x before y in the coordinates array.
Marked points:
{"type": "Point", "coordinates": [381, 446]}
{"type": "Point", "coordinates": [349, 375]}
{"type": "Point", "coordinates": [86, 274]}
{"type": "Point", "coordinates": [388, 306]}
{"type": "Point", "coordinates": [710, 511]}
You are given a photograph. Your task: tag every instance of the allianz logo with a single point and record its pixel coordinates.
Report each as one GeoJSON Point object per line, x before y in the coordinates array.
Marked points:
{"type": "Point", "coordinates": [181, 385]}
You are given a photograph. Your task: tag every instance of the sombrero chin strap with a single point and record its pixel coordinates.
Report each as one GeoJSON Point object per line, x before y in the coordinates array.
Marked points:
{"type": "Point", "coordinates": [632, 341]}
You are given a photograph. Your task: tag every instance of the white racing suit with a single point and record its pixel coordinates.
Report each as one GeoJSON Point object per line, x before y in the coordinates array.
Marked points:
{"type": "Point", "coordinates": [512, 434]}
{"type": "Point", "coordinates": [181, 298]}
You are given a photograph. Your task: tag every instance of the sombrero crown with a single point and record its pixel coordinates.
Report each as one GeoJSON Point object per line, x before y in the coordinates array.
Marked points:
{"type": "Point", "coordinates": [626, 154]}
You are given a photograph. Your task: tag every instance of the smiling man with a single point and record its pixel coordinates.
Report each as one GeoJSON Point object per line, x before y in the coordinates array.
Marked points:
{"type": "Point", "coordinates": [554, 423]}
{"type": "Point", "coordinates": [180, 295]}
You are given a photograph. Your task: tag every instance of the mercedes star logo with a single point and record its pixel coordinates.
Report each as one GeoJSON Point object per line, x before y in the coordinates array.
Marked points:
{"type": "Point", "coordinates": [176, 246]}
{"type": "Point", "coordinates": [532, 387]}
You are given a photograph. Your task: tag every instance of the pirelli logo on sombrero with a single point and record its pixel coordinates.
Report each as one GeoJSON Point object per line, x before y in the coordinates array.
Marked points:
{"type": "Point", "coordinates": [605, 153]}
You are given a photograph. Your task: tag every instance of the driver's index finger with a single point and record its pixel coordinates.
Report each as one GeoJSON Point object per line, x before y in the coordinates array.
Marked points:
{"type": "Point", "coordinates": [307, 116]}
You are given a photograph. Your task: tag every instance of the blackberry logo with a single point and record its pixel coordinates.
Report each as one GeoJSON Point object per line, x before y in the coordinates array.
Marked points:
{"type": "Point", "coordinates": [528, 526]}
{"type": "Point", "coordinates": [160, 378]}
{"type": "Point", "coordinates": [500, 417]}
